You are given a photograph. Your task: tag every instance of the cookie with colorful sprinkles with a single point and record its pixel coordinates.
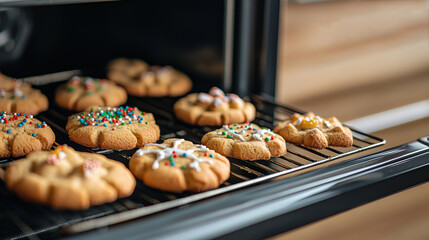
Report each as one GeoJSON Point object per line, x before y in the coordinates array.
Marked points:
{"type": "Point", "coordinates": [66, 179]}
{"type": "Point", "coordinates": [141, 80]}
{"type": "Point", "coordinates": [21, 134]}
{"type": "Point", "coordinates": [177, 165]}
{"type": "Point", "coordinates": [82, 92]}
{"type": "Point", "coordinates": [113, 128]}
{"type": "Point", "coordinates": [245, 141]}
{"type": "Point", "coordinates": [214, 108]}
{"type": "Point", "coordinates": [314, 131]}
{"type": "Point", "coordinates": [16, 96]}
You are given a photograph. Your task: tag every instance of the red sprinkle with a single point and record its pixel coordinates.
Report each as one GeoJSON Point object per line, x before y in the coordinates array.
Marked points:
{"type": "Point", "coordinates": [166, 163]}
{"type": "Point", "coordinates": [272, 138]}
{"type": "Point", "coordinates": [31, 122]}
{"type": "Point", "coordinates": [43, 126]}
{"type": "Point", "coordinates": [205, 154]}
{"type": "Point", "coordinates": [113, 129]}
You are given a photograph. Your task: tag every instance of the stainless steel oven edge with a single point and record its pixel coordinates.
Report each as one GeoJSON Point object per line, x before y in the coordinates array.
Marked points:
{"type": "Point", "coordinates": [271, 208]}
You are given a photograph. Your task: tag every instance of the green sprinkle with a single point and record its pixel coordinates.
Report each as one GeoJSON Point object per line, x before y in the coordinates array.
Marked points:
{"type": "Point", "coordinates": [171, 159]}
{"type": "Point", "coordinates": [70, 89]}
{"type": "Point", "coordinates": [267, 139]}
{"type": "Point", "coordinates": [73, 117]}
{"type": "Point", "coordinates": [183, 167]}
{"type": "Point", "coordinates": [13, 97]}
{"type": "Point", "coordinates": [146, 122]}
{"type": "Point", "coordinates": [230, 128]}
{"type": "Point", "coordinates": [99, 88]}
{"type": "Point", "coordinates": [235, 125]}
{"type": "Point", "coordinates": [223, 133]}
{"type": "Point", "coordinates": [88, 93]}
{"type": "Point", "coordinates": [123, 123]}
{"type": "Point", "coordinates": [228, 135]}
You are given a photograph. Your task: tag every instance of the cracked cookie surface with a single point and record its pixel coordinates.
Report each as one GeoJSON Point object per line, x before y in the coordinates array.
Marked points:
{"type": "Point", "coordinates": [16, 96]}
{"type": "Point", "coordinates": [177, 165]}
{"type": "Point", "coordinates": [82, 92]}
{"type": "Point", "coordinates": [113, 128]}
{"type": "Point", "coordinates": [21, 134]}
{"type": "Point", "coordinates": [66, 179]}
{"type": "Point", "coordinates": [245, 141]}
{"type": "Point", "coordinates": [214, 108]}
{"type": "Point", "coordinates": [141, 80]}
{"type": "Point", "coordinates": [315, 132]}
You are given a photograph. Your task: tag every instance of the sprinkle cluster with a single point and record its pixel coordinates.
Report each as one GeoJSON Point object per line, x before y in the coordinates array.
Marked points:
{"type": "Point", "coordinates": [27, 119]}
{"type": "Point", "coordinates": [89, 84]}
{"type": "Point", "coordinates": [236, 131]}
{"type": "Point", "coordinates": [16, 92]}
{"type": "Point", "coordinates": [56, 155]}
{"type": "Point", "coordinates": [116, 116]}
{"type": "Point", "coordinates": [90, 166]}
{"type": "Point", "coordinates": [217, 97]}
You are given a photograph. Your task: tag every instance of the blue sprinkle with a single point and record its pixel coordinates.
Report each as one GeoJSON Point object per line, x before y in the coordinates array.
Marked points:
{"type": "Point", "coordinates": [140, 121]}
{"type": "Point", "coordinates": [105, 125]}
{"type": "Point", "coordinates": [8, 131]}
{"type": "Point", "coordinates": [43, 122]}
{"type": "Point", "coordinates": [172, 164]}
{"type": "Point", "coordinates": [34, 134]}
{"type": "Point", "coordinates": [25, 120]}
{"type": "Point", "coordinates": [38, 125]}
{"type": "Point", "coordinates": [23, 96]}
{"type": "Point", "coordinates": [211, 155]}
{"type": "Point", "coordinates": [131, 122]}
{"type": "Point", "coordinates": [110, 121]}
{"type": "Point", "coordinates": [20, 125]}
{"type": "Point", "coordinates": [100, 120]}
{"type": "Point", "coordinates": [23, 115]}
{"type": "Point", "coordinates": [85, 123]}
{"type": "Point", "coordinates": [184, 154]}
{"type": "Point", "coordinates": [96, 124]}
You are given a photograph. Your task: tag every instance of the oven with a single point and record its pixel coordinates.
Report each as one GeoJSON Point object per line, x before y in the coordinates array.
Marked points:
{"type": "Point", "coordinates": [231, 44]}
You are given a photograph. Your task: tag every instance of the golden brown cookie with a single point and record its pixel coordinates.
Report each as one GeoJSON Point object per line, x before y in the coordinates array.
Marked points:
{"type": "Point", "coordinates": [214, 108]}
{"type": "Point", "coordinates": [315, 132]}
{"type": "Point", "coordinates": [16, 96]}
{"type": "Point", "coordinates": [66, 179]}
{"type": "Point", "coordinates": [82, 92]}
{"type": "Point", "coordinates": [177, 165]}
{"type": "Point", "coordinates": [245, 141]}
{"type": "Point", "coordinates": [140, 80]}
{"type": "Point", "coordinates": [113, 128]}
{"type": "Point", "coordinates": [21, 134]}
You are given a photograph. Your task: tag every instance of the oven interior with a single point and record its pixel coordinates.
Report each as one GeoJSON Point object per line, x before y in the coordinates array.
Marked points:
{"type": "Point", "coordinates": [188, 35]}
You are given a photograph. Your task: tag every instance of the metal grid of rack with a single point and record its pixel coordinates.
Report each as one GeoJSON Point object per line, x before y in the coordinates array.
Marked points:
{"type": "Point", "coordinates": [22, 219]}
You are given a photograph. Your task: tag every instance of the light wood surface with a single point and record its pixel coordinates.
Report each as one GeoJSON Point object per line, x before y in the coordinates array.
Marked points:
{"type": "Point", "coordinates": [351, 59]}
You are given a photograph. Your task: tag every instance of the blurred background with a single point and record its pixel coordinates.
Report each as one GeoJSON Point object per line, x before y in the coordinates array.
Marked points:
{"type": "Point", "coordinates": [354, 59]}
{"type": "Point", "coordinates": [366, 62]}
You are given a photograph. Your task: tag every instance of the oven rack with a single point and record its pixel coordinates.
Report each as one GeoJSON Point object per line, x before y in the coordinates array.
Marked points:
{"type": "Point", "coordinates": [22, 219]}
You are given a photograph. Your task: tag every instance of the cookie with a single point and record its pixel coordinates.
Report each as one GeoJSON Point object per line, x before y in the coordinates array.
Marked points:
{"type": "Point", "coordinates": [82, 92]}
{"type": "Point", "coordinates": [21, 134]}
{"type": "Point", "coordinates": [140, 80]}
{"type": "Point", "coordinates": [113, 128]}
{"type": "Point", "coordinates": [66, 179]}
{"type": "Point", "coordinates": [214, 108]}
{"type": "Point", "coordinates": [315, 132]}
{"type": "Point", "coordinates": [177, 165]}
{"type": "Point", "coordinates": [245, 141]}
{"type": "Point", "coordinates": [16, 96]}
